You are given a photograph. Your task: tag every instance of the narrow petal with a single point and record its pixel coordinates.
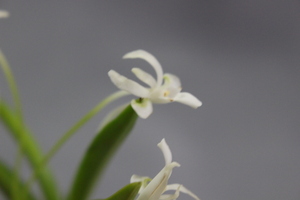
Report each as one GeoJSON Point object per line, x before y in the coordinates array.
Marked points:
{"type": "Point", "coordinates": [143, 108]}
{"type": "Point", "coordinates": [171, 196]}
{"type": "Point", "coordinates": [156, 187]}
{"type": "Point", "coordinates": [128, 85]}
{"type": "Point", "coordinates": [166, 151]}
{"type": "Point", "coordinates": [181, 189]}
{"type": "Point", "coordinates": [158, 184]}
{"type": "Point", "coordinates": [4, 14]}
{"type": "Point", "coordinates": [150, 59]}
{"type": "Point", "coordinates": [188, 99]}
{"type": "Point", "coordinates": [144, 76]}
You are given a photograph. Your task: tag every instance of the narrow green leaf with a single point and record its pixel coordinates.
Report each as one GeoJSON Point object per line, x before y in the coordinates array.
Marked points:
{"type": "Point", "coordinates": [31, 149]}
{"type": "Point", "coordinates": [128, 192]}
{"type": "Point", "coordinates": [6, 179]}
{"type": "Point", "coordinates": [102, 148]}
{"type": "Point", "coordinates": [12, 84]}
{"type": "Point", "coordinates": [18, 109]}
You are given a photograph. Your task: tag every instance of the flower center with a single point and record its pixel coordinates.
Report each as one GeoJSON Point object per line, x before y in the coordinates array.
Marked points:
{"type": "Point", "coordinates": [139, 100]}
{"type": "Point", "coordinates": [166, 93]}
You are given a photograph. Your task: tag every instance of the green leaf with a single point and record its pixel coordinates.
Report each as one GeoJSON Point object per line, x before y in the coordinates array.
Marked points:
{"type": "Point", "coordinates": [102, 148]}
{"type": "Point", "coordinates": [128, 192]}
{"type": "Point", "coordinates": [6, 179]}
{"type": "Point", "coordinates": [31, 149]}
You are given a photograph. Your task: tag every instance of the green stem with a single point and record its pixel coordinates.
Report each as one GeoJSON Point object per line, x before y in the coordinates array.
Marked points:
{"type": "Point", "coordinates": [74, 129]}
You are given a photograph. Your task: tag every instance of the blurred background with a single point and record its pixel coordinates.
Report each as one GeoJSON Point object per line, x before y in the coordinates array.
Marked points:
{"type": "Point", "coordinates": [240, 58]}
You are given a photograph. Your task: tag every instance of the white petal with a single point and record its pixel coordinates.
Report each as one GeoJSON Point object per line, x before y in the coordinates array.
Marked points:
{"type": "Point", "coordinates": [172, 80]}
{"type": "Point", "coordinates": [144, 76]}
{"type": "Point", "coordinates": [4, 14]}
{"type": "Point", "coordinates": [150, 59]}
{"type": "Point", "coordinates": [143, 108]}
{"type": "Point", "coordinates": [181, 189]}
{"type": "Point", "coordinates": [188, 99]}
{"type": "Point", "coordinates": [158, 184]}
{"type": "Point", "coordinates": [171, 196]}
{"type": "Point", "coordinates": [166, 151]}
{"type": "Point", "coordinates": [128, 85]}
{"type": "Point", "coordinates": [155, 188]}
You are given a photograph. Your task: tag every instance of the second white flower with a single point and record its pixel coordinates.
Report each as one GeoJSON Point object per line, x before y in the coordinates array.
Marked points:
{"type": "Point", "coordinates": [165, 89]}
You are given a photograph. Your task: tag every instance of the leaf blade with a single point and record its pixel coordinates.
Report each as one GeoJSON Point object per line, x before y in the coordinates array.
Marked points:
{"type": "Point", "coordinates": [6, 179]}
{"type": "Point", "coordinates": [104, 145]}
{"type": "Point", "coordinates": [128, 192]}
{"type": "Point", "coordinates": [31, 149]}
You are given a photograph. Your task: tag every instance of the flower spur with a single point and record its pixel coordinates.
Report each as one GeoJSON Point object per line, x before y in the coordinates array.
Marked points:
{"type": "Point", "coordinates": [165, 89]}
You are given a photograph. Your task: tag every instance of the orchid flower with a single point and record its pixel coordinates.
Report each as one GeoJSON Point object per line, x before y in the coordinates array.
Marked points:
{"type": "Point", "coordinates": [4, 14]}
{"type": "Point", "coordinates": [165, 89]}
{"type": "Point", "coordinates": [155, 189]}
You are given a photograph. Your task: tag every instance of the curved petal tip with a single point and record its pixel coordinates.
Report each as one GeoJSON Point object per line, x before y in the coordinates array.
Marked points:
{"type": "Point", "coordinates": [188, 99]}
{"type": "Point", "coordinates": [164, 147]}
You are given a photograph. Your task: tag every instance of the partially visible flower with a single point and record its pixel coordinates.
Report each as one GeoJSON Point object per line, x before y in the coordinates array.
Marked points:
{"type": "Point", "coordinates": [4, 14]}
{"type": "Point", "coordinates": [165, 89]}
{"type": "Point", "coordinates": [155, 189]}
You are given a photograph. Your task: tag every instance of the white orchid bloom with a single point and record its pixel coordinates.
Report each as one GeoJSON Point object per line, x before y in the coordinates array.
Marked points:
{"type": "Point", "coordinates": [159, 184]}
{"type": "Point", "coordinates": [4, 14]}
{"type": "Point", "coordinates": [165, 89]}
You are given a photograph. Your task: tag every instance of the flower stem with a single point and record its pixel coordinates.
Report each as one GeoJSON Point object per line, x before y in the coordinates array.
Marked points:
{"type": "Point", "coordinates": [72, 130]}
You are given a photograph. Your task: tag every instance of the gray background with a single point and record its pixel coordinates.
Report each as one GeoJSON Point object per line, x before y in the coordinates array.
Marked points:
{"type": "Point", "coordinates": [240, 58]}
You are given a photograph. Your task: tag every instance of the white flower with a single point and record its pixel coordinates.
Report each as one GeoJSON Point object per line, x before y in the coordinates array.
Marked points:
{"type": "Point", "coordinates": [165, 89]}
{"type": "Point", "coordinates": [159, 184]}
{"type": "Point", "coordinates": [4, 14]}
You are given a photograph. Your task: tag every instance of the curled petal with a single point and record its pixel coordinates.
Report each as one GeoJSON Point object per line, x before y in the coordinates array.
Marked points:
{"type": "Point", "coordinates": [150, 59]}
{"type": "Point", "coordinates": [166, 151]}
{"type": "Point", "coordinates": [142, 107]}
{"type": "Point", "coordinates": [181, 189]}
{"type": "Point", "coordinates": [4, 14]}
{"type": "Point", "coordinates": [144, 76]}
{"type": "Point", "coordinates": [128, 85]}
{"type": "Point", "coordinates": [188, 99]}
